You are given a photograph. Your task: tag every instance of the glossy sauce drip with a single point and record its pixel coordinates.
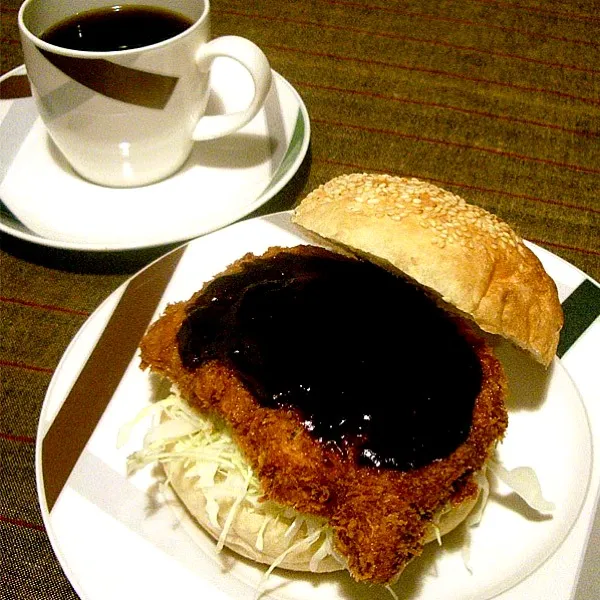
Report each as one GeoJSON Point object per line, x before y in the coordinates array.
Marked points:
{"type": "Point", "coordinates": [371, 365]}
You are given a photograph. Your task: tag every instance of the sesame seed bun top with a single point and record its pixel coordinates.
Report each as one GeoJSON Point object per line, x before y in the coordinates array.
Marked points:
{"type": "Point", "coordinates": [468, 256]}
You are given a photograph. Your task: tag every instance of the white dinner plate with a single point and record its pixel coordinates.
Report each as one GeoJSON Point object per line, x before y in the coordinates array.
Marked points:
{"type": "Point", "coordinates": [44, 201]}
{"type": "Point", "coordinates": [117, 537]}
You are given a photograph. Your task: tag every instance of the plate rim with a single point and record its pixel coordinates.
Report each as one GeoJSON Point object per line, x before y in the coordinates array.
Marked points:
{"type": "Point", "coordinates": [114, 297]}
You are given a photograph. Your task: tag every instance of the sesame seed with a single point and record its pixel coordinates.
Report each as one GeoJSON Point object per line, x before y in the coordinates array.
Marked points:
{"type": "Point", "coordinates": [396, 198]}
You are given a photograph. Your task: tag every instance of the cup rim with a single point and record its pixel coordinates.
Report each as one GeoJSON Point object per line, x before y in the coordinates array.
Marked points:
{"type": "Point", "coordinates": [40, 43]}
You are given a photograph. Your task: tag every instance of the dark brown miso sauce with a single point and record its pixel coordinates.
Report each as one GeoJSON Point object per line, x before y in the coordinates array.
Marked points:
{"type": "Point", "coordinates": [371, 365]}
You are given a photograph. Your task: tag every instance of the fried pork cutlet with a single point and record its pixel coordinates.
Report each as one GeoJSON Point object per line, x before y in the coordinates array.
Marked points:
{"type": "Point", "coordinates": [379, 507]}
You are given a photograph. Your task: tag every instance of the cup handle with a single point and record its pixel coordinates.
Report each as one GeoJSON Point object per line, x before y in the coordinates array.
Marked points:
{"type": "Point", "coordinates": [253, 59]}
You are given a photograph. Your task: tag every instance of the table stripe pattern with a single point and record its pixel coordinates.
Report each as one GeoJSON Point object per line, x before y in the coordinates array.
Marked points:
{"type": "Point", "coordinates": [496, 100]}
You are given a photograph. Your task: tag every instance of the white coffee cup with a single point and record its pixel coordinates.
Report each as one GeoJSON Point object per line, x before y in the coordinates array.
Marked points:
{"type": "Point", "coordinates": [130, 117]}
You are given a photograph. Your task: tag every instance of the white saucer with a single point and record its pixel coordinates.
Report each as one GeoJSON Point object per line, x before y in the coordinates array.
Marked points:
{"type": "Point", "coordinates": [44, 201]}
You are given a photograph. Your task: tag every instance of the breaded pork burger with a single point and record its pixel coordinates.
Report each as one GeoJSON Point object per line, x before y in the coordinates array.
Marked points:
{"type": "Point", "coordinates": [335, 407]}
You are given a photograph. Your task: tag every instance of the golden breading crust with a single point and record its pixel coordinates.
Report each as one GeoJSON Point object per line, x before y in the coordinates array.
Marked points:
{"type": "Point", "coordinates": [379, 515]}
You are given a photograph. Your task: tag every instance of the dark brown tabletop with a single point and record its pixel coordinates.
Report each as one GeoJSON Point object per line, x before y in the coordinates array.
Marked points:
{"type": "Point", "coordinates": [497, 101]}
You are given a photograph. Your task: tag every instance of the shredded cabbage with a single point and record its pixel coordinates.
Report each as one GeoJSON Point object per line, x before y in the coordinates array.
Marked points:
{"type": "Point", "coordinates": [524, 482]}
{"type": "Point", "coordinates": [224, 476]}
{"type": "Point", "coordinates": [210, 455]}
{"type": "Point", "coordinates": [476, 514]}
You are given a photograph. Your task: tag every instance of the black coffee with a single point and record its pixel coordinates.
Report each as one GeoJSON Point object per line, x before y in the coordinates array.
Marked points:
{"type": "Point", "coordinates": [116, 28]}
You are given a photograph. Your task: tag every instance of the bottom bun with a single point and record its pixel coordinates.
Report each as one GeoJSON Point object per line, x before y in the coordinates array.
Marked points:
{"type": "Point", "coordinates": [266, 534]}
{"type": "Point", "coordinates": [262, 533]}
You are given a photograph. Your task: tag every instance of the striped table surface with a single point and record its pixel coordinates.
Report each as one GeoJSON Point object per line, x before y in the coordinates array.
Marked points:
{"type": "Point", "coordinates": [496, 100]}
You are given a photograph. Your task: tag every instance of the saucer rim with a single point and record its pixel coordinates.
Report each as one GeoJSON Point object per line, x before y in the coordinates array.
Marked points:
{"type": "Point", "coordinates": [11, 225]}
